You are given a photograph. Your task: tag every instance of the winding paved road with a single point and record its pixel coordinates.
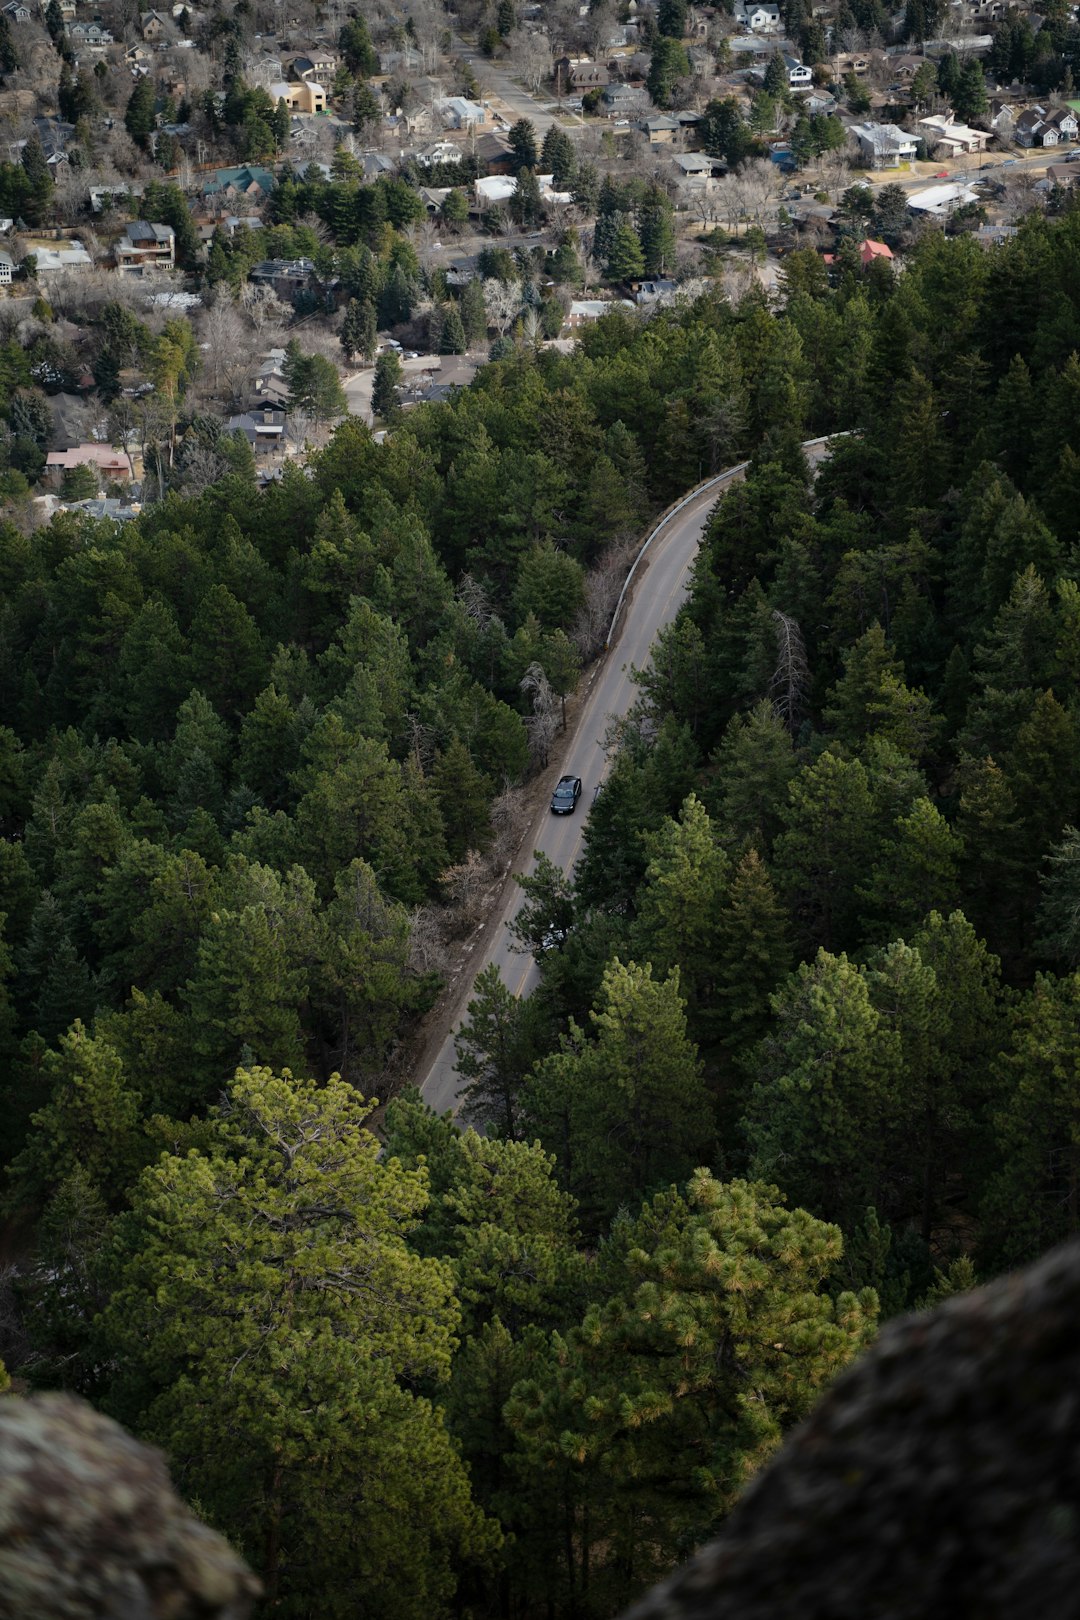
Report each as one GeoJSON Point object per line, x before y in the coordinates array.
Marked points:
{"type": "Point", "coordinates": [659, 591]}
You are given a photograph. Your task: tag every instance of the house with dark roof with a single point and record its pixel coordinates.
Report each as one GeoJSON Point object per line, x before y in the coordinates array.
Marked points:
{"type": "Point", "coordinates": [155, 25]}
{"type": "Point", "coordinates": [659, 131]}
{"type": "Point", "coordinates": [263, 428]}
{"type": "Point", "coordinates": [623, 101]}
{"type": "Point", "coordinates": [376, 163]}
{"type": "Point", "coordinates": [495, 155]}
{"type": "Point", "coordinates": [579, 73]}
{"type": "Point", "coordinates": [288, 277]}
{"type": "Point", "coordinates": [90, 36]}
{"type": "Point", "coordinates": [247, 181]}
{"type": "Point", "coordinates": [144, 247]}
{"type": "Point", "coordinates": [315, 63]}
{"type": "Point", "coordinates": [1044, 126]}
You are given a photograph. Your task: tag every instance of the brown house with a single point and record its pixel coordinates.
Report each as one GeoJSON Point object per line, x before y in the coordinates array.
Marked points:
{"type": "Point", "coordinates": [495, 155]}
{"type": "Point", "coordinates": [577, 73]}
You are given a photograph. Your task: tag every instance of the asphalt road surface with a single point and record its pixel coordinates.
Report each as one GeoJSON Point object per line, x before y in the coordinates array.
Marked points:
{"type": "Point", "coordinates": [508, 99]}
{"type": "Point", "coordinates": [1003, 166]}
{"type": "Point", "coordinates": [658, 594]}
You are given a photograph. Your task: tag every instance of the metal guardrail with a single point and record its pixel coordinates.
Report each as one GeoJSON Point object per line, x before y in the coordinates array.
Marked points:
{"type": "Point", "coordinates": [680, 505]}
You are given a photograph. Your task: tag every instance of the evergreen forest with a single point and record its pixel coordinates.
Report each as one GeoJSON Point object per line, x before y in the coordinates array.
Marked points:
{"type": "Point", "coordinates": [805, 1049]}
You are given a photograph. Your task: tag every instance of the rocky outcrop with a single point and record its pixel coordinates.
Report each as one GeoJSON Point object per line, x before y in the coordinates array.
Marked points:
{"type": "Point", "coordinates": [90, 1526]}
{"type": "Point", "coordinates": [940, 1476]}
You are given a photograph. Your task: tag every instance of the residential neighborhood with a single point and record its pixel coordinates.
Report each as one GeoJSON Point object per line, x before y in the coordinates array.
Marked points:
{"type": "Point", "coordinates": [539, 809]}
{"type": "Point", "coordinates": [268, 191]}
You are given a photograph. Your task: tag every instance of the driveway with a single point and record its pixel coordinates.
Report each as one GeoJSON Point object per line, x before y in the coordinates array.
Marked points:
{"type": "Point", "coordinates": [418, 378]}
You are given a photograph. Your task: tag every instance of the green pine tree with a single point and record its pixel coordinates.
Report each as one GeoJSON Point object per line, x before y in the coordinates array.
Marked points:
{"type": "Point", "coordinates": [273, 1324]}
{"type": "Point", "coordinates": [626, 1109]}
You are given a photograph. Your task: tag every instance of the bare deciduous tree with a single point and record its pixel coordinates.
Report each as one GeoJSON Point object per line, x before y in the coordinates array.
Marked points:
{"type": "Point", "coordinates": [510, 815]}
{"type": "Point", "coordinates": [263, 308]}
{"type": "Point", "coordinates": [476, 602]}
{"type": "Point", "coordinates": [602, 586]}
{"type": "Point", "coordinates": [791, 677]}
{"type": "Point", "coordinates": [543, 723]}
{"type": "Point", "coordinates": [530, 53]}
{"type": "Point", "coordinates": [465, 886]}
{"type": "Point", "coordinates": [598, 26]}
{"type": "Point", "coordinates": [202, 465]}
{"type": "Point", "coordinates": [427, 944]}
{"type": "Point", "coordinates": [231, 349]}
{"type": "Point", "coordinates": [502, 300]}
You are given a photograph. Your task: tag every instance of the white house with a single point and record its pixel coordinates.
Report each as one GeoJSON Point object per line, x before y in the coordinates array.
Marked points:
{"type": "Point", "coordinates": [439, 152]}
{"type": "Point", "coordinates": [499, 188]}
{"type": "Point", "coordinates": [942, 200]}
{"type": "Point", "coordinates": [457, 112]}
{"type": "Point", "coordinates": [592, 309]}
{"type": "Point", "coordinates": [799, 77]}
{"type": "Point", "coordinates": [493, 189]}
{"type": "Point", "coordinates": [7, 269]}
{"type": "Point", "coordinates": [696, 170]}
{"type": "Point", "coordinates": [61, 255]}
{"type": "Point", "coordinates": [761, 18]}
{"type": "Point", "coordinates": [1002, 120]}
{"type": "Point", "coordinates": [941, 130]}
{"type": "Point", "coordinates": [660, 291]}
{"type": "Point", "coordinates": [123, 191]}
{"type": "Point", "coordinates": [883, 146]}
{"type": "Point", "coordinates": [90, 36]}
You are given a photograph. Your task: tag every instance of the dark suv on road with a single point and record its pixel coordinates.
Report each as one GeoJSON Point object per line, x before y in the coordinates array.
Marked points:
{"type": "Point", "coordinates": [566, 795]}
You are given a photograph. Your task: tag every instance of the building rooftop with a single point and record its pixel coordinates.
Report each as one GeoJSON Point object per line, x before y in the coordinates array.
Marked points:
{"type": "Point", "coordinates": [941, 199]}
{"type": "Point", "coordinates": [884, 137]}
{"type": "Point", "coordinates": [141, 230]}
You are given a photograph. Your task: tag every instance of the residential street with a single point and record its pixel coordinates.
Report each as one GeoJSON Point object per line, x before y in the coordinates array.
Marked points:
{"type": "Point", "coordinates": [501, 91]}
{"type": "Point", "coordinates": [659, 591]}
{"type": "Point", "coordinates": [970, 169]}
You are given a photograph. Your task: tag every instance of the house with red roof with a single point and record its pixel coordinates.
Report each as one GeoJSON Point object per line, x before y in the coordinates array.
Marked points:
{"type": "Point", "coordinates": [870, 250]}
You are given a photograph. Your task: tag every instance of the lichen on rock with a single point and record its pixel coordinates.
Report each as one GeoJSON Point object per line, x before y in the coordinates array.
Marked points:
{"type": "Point", "coordinates": [90, 1526]}
{"type": "Point", "coordinates": [939, 1476]}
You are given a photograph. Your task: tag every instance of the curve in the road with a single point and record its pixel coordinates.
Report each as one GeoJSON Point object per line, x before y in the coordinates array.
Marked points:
{"type": "Point", "coordinates": [661, 570]}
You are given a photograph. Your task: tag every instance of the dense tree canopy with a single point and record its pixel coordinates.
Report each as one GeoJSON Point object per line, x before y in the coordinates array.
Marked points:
{"type": "Point", "coordinates": [804, 1036]}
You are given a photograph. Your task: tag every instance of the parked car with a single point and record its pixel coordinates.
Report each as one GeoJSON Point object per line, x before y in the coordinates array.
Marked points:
{"type": "Point", "coordinates": [566, 795]}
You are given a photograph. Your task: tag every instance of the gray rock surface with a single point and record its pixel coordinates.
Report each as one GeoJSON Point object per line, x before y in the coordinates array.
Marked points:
{"type": "Point", "coordinates": [939, 1477]}
{"type": "Point", "coordinates": [90, 1526]}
